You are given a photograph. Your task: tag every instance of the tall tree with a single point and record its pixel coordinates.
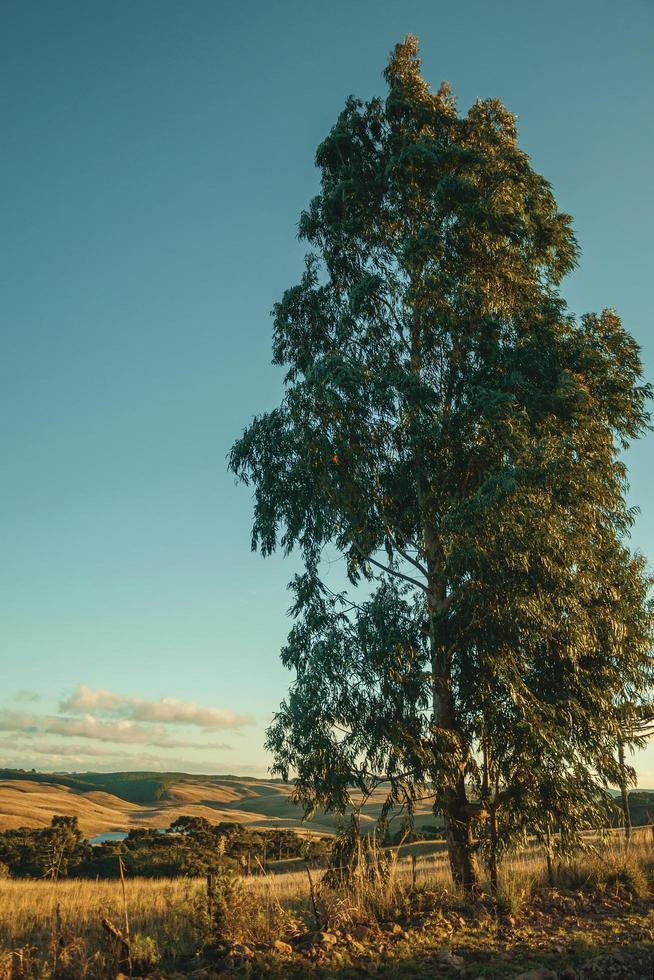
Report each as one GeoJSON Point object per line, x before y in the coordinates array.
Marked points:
{"type": "Point", "coordinates": [60, 846]}
{"type": "Point", "coordinates": [454, 434]}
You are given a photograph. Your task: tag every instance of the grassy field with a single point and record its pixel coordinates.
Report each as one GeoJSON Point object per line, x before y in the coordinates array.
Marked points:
{"type": "Point", "coordinates": [120, 801]}
{"type": "Point", "coordinates": [601, 905]}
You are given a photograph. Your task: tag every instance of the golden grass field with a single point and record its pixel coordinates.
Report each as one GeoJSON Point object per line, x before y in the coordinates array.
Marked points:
{"type": "Point", "coordinates": [158, 907]}
{"type": "Point", "coordinates": [31, 911]}
{"type": "Point", "coordinates": [602, 902]}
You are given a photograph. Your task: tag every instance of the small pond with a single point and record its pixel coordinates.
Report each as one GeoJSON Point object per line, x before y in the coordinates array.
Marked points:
{"type": "Point", "coordinates": [118, 835]}
{"type": "Point", "coordinates": [114, 835]}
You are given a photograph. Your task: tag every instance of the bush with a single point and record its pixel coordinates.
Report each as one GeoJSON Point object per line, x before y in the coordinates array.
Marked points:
{"type": "Point", "coordinates": [145, 953]}
{"type": "Point", "coordinates": [624, 879]}
{"type": "Point", "coordinates": [622, 875]}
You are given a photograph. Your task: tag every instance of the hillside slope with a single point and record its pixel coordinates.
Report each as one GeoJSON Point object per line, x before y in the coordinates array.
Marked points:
{"type": "Point", "coordinates": [111, 802]}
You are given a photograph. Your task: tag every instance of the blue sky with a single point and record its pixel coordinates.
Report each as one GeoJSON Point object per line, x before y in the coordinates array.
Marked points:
{"type": "Point", "coordinates": [156, 156]}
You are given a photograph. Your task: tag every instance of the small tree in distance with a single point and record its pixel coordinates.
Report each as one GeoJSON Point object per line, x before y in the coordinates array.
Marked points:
{"type": "Point", "coordinates": [454, 434]}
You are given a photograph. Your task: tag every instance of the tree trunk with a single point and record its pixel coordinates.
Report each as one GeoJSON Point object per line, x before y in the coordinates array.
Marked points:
{"type": "Point", "coordinates": [458, 819]}
{"type": "Point", "coordinates": [549, 853]}
{"type": "Point", "coordinates": [624, 793]}
{"type": "Point", "coordinates": [492, 851]}
{"type": "Point", "coordinates": [460, 840]}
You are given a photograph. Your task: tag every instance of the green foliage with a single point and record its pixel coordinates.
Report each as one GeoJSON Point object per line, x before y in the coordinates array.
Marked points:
{"type": "Point", "coordinates": [641, 805]}
{"type": "Point", "coordinates": [53, 852]}
{"type": "Point", "coordinates": [454, 433]}
{"type": "Point", "coordinates": [191, 847]}
{"type": "Point", "coordinates": [134, 787]}
{"type": "Point", "coordinates": [144, 952]}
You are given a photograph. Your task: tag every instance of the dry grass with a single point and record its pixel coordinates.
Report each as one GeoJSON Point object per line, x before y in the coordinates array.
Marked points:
{"type": "Point", "coordinates": [167, 917]}
{"type": "Point", "coordinates": [152, 902]}
{"type": "Point", "coordinates": [24, 803]}
{"type": "Point", "coordinates": [29, 804]}
{"type": "Point", "coordinates": [257, 802]}
{"type": "Point", "coordinates": [32, 912]}
{"type": "Point", "coordinates": [604, 866]}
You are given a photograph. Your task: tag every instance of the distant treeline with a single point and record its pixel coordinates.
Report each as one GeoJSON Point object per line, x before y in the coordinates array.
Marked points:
{"type": "Point", "coordinates": [641, 808]}
{"type": "Point", "coordinates": [192, 846]}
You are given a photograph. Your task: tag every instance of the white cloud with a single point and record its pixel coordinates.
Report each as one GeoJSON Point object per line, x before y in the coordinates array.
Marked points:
{"type": "Point", "coordinates": [174, 711]}
{"type": "Point", "coordinates": [74, 752]}
{"type": "Point", "coordinates": [22, 751]}
{"type": "Point", "coordinates": [126, 732]}
{"type": "Point", "coordinates": [19, 721]}
{"type": "Point", "coordinates": [85, 698]}
{"type": "Point", "coordinates": [171, 711]}
{"type": "Point", "coordinates": [96, 724]}
{"type": "Point", "coordinates": [120, 731]}
{"type": "Point", "coordinates": [14, 743]}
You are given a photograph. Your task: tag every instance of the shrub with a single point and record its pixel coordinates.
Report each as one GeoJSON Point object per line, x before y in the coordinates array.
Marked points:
{"type": "Point", "coordinates": [145, 953]}
{"type": "Point", "coordinates": [623, 878]}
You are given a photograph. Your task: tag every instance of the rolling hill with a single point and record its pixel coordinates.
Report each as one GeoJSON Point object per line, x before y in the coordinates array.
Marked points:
{"type": "Point", "coordinates": [112, 802]}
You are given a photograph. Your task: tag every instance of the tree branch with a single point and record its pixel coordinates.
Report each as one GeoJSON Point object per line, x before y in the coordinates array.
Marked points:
{"type": "Point", "coordinates": [393, 571]}
{"type": "Point", "coordinates": [412, 561]}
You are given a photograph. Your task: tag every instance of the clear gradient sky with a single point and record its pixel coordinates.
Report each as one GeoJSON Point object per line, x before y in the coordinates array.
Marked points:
{"type": "Point", "coordinates": [155, 158]}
